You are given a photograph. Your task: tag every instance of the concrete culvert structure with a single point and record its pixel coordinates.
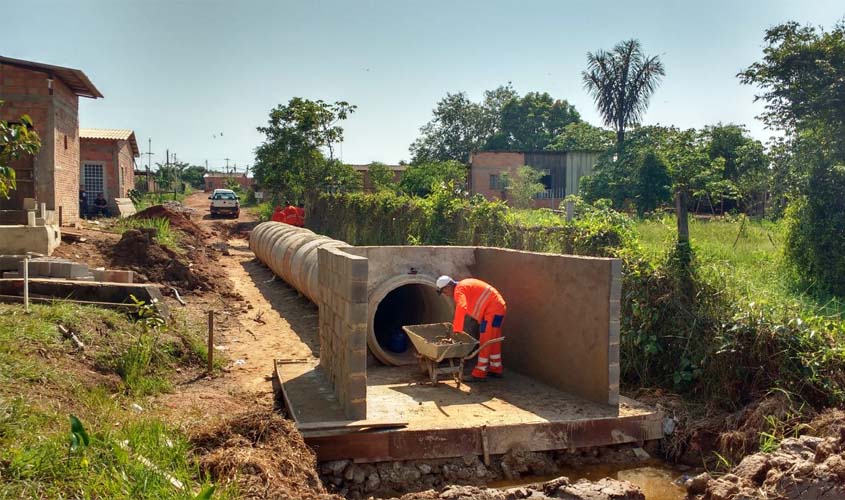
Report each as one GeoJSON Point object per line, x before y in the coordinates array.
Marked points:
{"type": "Point", "coordinates": [399, 301]}
{"type": "Point", "coordinates": [292, 254]}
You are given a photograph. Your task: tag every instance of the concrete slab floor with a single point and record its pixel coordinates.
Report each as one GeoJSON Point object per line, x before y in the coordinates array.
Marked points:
{"type": "Point", "coordinates": [444, 421]}
{"type": "Point", "coordinates": [401, 393]}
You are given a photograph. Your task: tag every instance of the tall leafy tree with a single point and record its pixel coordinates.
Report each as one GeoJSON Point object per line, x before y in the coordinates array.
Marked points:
{"type": "Point", "coordinates": [298, 136]}
{"type": "Point", "coordinates": [621, 82]}
{"type": "Point", "coordinates": [531, 122]}
{"type": "Point", "coordinates": [460, 126]}
{"type": "Point", "coordinates": [581, 136]}
{"type": "Point", "coordinates": [802, 77]}
{"type": "Point", "coordinates": [17, 139]}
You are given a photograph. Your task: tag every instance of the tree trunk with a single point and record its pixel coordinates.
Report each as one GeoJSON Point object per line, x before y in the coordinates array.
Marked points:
{"type": "Point", "coordinates": [620, 140]}
{"type": "Point", "coordinates": [683, 216]}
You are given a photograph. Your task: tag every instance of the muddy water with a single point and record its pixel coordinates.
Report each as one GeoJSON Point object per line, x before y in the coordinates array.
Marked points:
{"type": "Point", "coordinates": [657, 480]}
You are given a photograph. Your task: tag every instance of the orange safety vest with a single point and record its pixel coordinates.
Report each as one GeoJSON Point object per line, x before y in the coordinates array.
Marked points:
{"type": "Point", "coordinates": [475, 298]}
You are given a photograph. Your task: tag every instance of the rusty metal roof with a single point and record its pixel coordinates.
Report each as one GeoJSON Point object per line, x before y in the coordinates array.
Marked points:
{"type": "Point", "coordinates": [113, 134]}
{"type": "Point", "coordinates": [75, 79]}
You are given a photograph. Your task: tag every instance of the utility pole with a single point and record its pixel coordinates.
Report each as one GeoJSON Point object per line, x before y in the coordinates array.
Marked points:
{"type": "Point", "coordinates": [227, 165]}
{"type": "Point", "coordinates": [149, 154]}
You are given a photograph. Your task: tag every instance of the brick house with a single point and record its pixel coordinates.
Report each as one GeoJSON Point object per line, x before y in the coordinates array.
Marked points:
{"type": "Point", "coordinates": [563, 171]}
{"type": "Point", "coordinates": [215, 180]}
{"type": "Point", "coordinates": [107, 163]}
{"type": "Point", "coordinates": [50, 96]}
{"type": "Point", "coordinates": [364, 172]}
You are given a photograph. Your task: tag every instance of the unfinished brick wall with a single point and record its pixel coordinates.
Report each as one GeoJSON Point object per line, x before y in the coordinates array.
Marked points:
{"type": "Point", "coordinates": [65, 189]}
{"type": "Point", "coordinates": [343, 327]}
{"type": "Point", "coordinates": [26, 92]}
{"type": "Point", "coordinates": [485, 164]}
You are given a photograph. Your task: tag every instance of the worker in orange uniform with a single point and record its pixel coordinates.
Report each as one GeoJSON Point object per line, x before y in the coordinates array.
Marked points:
{"type": "Point", "coordinates": [300, 215]}
{"type": "Point", "coordinates": [289, 214]}
{"type": "Point", "coordinates": [484, 304]}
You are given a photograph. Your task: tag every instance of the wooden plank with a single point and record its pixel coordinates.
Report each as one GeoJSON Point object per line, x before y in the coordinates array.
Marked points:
{"type": "Point", "coordinates": [285, 398]}
{"type": "Point", "coordinates": [350, 425]}
{"type": "Point", "coordinates": [457, 442]}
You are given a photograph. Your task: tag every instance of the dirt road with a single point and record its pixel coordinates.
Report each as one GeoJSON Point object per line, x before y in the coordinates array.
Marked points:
{"type": "Point", "coordinates": [271, 321]}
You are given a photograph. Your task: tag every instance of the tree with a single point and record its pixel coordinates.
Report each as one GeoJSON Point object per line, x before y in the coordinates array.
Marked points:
{"type": "Point", "coordinates": [194, 175]}
{"type": "Point", "coordinates": [581, 136]}
{"type": "Point", "coordinates": [803, 80]}
{"type": "Point", "coordinates": [531, 122]}
{"type": "Point", "coordinates": [16, 140]}
{"type": "Point", "coordinates": [621, 82]}
{"type": "Point", "coordinates": [418, 179]}
{"type": "Point", "coordinates": [653, 183]}
{"type": "Point", "coordinates": [460, 126]}
{"type": "Point", "coordinates": [381, 177]}
{"type": "Point", "coordinates": [524, 186]}
{"type": "Point", "coordinates": [291, 160]}
{"type": "Point", "coordinates": [744, 171]}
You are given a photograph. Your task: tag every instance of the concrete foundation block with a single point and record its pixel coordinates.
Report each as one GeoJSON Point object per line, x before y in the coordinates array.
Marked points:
{"type": "Point", "coordinates": [20, 239]}
{"type": "Point", "coordinates": [30, 204]}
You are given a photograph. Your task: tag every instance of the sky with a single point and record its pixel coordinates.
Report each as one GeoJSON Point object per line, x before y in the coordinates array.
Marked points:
{"type": "Point", "coordinates": [197, 77]}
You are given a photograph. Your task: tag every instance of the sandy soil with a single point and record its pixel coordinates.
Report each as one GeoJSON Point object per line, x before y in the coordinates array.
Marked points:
{"type": "Point", "coordinates": [268, 323]}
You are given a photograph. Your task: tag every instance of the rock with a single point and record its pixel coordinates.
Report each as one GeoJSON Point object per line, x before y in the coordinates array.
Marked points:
{"type": "Point", "coordinates": [424, 468]}
{"type": "Point", "coordinates": [604, 489]}
{"type": "Point", "coordinates": [698, 485]}
{"type": "Point", "coordinates": [334, 467]}
{"type": "Point", "coordinates": [373, 483]}
{"type": "Point", "coordinates": [518, 493]}
{"type": "Point", "coordinates": [753, 468]}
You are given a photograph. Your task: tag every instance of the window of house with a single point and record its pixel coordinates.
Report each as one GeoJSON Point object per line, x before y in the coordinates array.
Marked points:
{"type": "Point", "coordinates": [93, 180]}
{"type": "Point", "coordinates": [494, 181]}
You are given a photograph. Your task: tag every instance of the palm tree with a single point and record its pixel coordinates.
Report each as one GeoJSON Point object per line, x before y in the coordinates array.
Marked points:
{"type": "Point", "coordinates": [621, 82]}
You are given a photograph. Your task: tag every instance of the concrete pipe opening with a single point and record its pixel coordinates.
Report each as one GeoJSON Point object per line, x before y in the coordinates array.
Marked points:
{"type": "Point", "coordinates": [399, 302]}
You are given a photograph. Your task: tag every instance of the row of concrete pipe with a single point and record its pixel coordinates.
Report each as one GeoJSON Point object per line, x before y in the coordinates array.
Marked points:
{"type": "Point", "coordinates": [291, 253]}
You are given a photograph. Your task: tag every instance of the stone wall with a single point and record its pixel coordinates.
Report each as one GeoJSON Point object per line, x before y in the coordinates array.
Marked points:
{"type": "Point", "coordinates": [343, 327]}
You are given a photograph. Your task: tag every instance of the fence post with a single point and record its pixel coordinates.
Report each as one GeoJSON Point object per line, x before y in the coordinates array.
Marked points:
{"type": "Point", "coordinates": [210, 342]}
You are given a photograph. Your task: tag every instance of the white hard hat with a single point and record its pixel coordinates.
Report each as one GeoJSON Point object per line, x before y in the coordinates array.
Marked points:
{"type": "Point", "coordinates": [443, 282]}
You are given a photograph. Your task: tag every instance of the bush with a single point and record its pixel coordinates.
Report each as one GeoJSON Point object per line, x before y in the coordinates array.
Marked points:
{"type": "Point", "coordinates": [815, 243]}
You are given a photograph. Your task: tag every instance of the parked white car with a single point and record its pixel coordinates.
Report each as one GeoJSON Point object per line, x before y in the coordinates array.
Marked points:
{"type": "Point", "coordinates": [225, 202]}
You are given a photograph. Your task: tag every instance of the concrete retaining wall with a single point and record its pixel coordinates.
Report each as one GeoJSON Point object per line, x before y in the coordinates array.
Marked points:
{"type": "Point", "coordinates": [562, 325]}
{"type": "Point", "coordinates": [343, 327]}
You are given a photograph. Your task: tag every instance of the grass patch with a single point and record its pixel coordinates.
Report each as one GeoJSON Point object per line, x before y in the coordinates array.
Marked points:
{"type": "Point", "coordinates": [44, 379]}
{"type": "Point", "coordinates": [743, 255]}
{"type": "Point", "coordinates": [165, 235]}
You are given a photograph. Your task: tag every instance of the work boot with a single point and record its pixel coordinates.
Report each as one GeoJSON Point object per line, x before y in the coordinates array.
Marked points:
{"type": "Point", "coordinates": [496, 374]}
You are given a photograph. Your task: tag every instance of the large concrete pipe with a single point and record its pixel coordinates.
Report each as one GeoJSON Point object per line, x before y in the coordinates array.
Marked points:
{"type": "Point", "coordinates": [398, 301]}
{"type": "Point", "coordinates": [291, 252]}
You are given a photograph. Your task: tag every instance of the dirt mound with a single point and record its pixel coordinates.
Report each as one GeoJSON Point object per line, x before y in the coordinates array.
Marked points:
{"type": "Point", "coordinates": [264, 454]}
{"type": "Point", "coordinates": [137, 250]}
{"type": "Point", "coordinates": [604, 489]}
{"type": "Point", "coordinates": [179, 219]}
{"type": "Point", "coordinates": [804, 467]}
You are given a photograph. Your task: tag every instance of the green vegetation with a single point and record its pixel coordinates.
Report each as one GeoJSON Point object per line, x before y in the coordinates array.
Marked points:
{"type": "Point", "coordinates": [163, 232]}
{"type": "Point", "coordinates": [727, 326]}
{"type": "Point", "coordinates": [621, 82]}
{"type": "Point", "coordinates": [16, 140]}
{"type": "Point", "coordinates": [73, 422]}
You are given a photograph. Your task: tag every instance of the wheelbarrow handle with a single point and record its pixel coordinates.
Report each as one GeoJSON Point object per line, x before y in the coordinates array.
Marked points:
{"type": "Point", "coordinates": [482, 346]}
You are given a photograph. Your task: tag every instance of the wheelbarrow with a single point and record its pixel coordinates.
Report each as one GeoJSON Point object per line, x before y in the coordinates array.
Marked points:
{"type": "Point", "coordinates": [437, 343]}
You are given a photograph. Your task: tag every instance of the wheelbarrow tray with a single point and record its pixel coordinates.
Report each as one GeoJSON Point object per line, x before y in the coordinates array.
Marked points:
{"type": "Point", "coordinates": [424, 338]}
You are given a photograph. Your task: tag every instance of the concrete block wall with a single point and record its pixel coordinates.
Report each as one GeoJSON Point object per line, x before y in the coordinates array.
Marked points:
{"type": "Point", "coordinates": [343, 327]}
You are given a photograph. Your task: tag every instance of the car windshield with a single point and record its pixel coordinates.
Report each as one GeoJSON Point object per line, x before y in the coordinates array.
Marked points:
{"type": "Point", "coordinates": [224, 196]}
